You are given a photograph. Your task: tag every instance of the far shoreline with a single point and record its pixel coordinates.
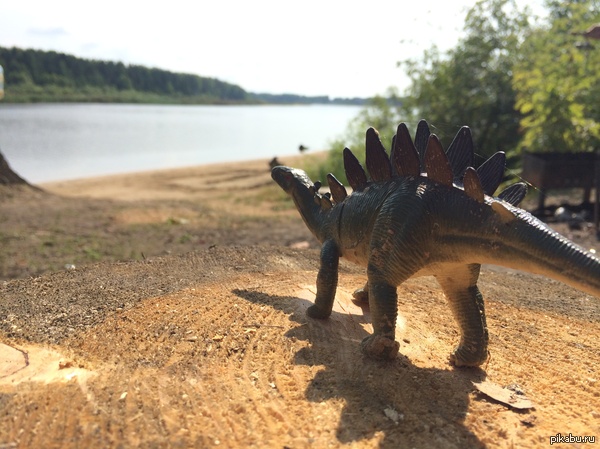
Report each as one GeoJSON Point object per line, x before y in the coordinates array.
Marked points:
{"type": "Point", "coordinates": [164, 183]}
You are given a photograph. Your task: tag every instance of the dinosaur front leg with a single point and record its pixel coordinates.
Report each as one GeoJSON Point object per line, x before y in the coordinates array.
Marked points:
{"type": "Point", "coordinates": [390, 264]}
{"type": "Point", "coordinates": [327, 280]}
{"type": "Point", "coordinates": [383, 304]}
{"type": "Point", "coordinates": [466, 302]}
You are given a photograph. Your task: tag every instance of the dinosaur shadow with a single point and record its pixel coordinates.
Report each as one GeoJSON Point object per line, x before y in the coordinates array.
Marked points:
{"type": "Point", "coordinates": [401, 404]}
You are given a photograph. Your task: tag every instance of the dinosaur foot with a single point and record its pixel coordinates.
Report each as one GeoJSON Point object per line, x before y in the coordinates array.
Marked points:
{"type": "Point", "coordinates": [361, 295]}
{"type": "Point", "coordinates": [318, 313]}
{"type": "Point", "coordinates": [463, 357]}
{"type": "Point", "coordinates": [380, 347]}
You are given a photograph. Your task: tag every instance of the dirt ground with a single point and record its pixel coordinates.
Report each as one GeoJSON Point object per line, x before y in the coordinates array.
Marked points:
{"type": "Point", "coordinates": [167, 309]}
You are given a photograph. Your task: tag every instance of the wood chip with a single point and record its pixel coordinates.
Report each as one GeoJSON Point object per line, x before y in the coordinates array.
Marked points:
{"type": "Point", "coordinates": [510, 395]}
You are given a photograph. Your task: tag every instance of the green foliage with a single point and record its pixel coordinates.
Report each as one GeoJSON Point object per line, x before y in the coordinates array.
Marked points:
{"type": "Point", "coordinates": [472, 83]}
{"type": "Point", "coordinates": [33, 75]}
{"type": "Point", "coordinates": [469, 85]}
{"type": "Point", "coordinates": [557, 81]}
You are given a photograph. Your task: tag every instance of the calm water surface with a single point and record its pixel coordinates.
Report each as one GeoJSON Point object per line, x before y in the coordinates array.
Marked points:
{"type": "Point", "coordinates": [47, 142]}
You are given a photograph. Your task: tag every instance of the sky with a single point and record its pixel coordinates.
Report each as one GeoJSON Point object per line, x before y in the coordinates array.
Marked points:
{"type": "Point", "coordinates": [337, 48]}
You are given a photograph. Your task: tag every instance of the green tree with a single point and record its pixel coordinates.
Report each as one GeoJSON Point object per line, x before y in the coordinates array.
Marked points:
{"type": "Point", "coordinates": [472, 83]}
{"type": "Point", "coordinates": [557, 83]}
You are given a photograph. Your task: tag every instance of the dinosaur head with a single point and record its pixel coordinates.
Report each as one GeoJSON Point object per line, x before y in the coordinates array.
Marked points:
{"type": "Point", "coordinates": [292, 180]}
{"type": "Point", "coordinates": [309, 202]}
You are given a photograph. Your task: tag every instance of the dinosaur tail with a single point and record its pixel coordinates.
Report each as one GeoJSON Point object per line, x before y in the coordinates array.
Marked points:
{"type": "Point", "coordinates": [526, 243]}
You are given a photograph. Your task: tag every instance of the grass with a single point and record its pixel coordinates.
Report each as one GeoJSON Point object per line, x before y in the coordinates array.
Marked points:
{"type": "Point", "coordinates": [30, 93]}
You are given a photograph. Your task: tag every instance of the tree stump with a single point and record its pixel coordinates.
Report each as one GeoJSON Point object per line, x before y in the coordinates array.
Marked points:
{"type": "Point", "coordinates": [7, 175]}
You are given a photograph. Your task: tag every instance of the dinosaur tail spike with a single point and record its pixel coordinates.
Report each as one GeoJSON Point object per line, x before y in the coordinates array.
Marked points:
{"type": "Point", "coordinates": [437, 163]}
{"type": "Point", "coordinates": [460, 152]}
{"type": "Point", "coordinates": [514, 193]}
{"type": "Point", "coordinates": [338, 191]}
{"type": "Point", "coordinates": [404, 156]}
{"type": "Point", "coordinates": [472, 185]}
{"type": "Point", "coordinates": [354, 172]}
{"type": "Point", "coordinates": [421, 140]}
{"type": "Point", "coordinates": [491, 172]}
{"type": "Point", "coordinates": [378, 162]}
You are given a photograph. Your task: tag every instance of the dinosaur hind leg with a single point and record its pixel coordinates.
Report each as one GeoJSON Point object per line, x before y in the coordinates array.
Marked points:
{"type": "Point", "coordinates": [466, 302]}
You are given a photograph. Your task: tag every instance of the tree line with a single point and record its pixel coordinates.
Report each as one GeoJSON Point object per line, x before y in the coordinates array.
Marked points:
{"type": "Point", "coordinates": [35, 75]}
{"type": "Point", "coordinates": [49, 74]}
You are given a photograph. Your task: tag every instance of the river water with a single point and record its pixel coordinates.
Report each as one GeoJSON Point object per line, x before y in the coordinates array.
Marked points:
{"type": "Point", "coordinates": [49, 142]}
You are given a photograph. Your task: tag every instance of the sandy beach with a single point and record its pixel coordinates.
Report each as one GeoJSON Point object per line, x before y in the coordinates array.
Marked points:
{"type": "Point", "coordinates": [167, 309]}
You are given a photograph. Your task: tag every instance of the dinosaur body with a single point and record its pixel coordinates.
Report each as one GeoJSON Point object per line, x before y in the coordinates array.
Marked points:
{"type": "Point", "coordinates": [404, 223]}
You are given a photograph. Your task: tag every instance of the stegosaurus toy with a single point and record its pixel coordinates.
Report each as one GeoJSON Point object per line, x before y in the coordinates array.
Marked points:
{"type": "Point", "coordinates": [428, 212]}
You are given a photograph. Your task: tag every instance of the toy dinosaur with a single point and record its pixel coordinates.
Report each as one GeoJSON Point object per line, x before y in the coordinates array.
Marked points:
{"type": "Point", "coordinates": [428, 212]}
